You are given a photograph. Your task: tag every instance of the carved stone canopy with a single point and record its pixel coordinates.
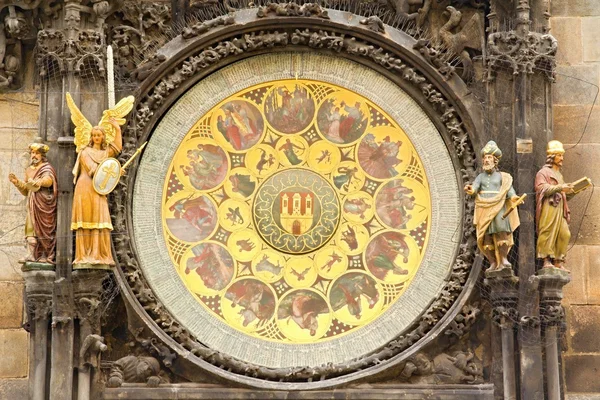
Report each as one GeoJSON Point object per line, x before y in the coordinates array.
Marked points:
{"type": "Point", "coordinates": [225, 60]}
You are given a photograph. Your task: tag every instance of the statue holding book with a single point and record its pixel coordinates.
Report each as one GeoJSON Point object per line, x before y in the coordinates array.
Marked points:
{"type": "Point", "coordinates": [552, 211]}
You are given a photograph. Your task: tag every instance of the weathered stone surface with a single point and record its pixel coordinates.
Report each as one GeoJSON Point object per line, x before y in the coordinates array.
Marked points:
{"type": "Point", "coordinates": [590, 31]}
{"type": "Point", "coordinates": [575, 84]}
{"type": "Point", "coordinates": [583, 327]}
{"type": "Point", "coordinates": [14, 345]}
{"type": "Point", "coordinates": [19, 114]}
{"type": "Point", "coordinates": [13, 389]}
{"type": "Point", "coordinates": [581, 396]}
{"type": "Point", "coordinates": [575, 8]}
{"type": "Point", "coordinates": [11, 312]}
{"type": "Point", "coordinates": [570, 122]}
{"type": "Point", "coordinates": [593, 274]}
{"type": "Point", "coordinates": [577, 262]}
{"type": "Point", "coordinates": [10, 270]}
{"type": "Point", "coordinates": [585, 218]}
{"type": "Point", "coordinates": [581, 373]}
{"type": "Point", "coordinates": [568, 33]}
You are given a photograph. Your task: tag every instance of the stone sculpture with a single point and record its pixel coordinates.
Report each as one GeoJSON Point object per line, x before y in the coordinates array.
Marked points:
{"type": "Point", "coordinates": [552, 211]}
{"type": "Point", "coordinates": [40, 187]}
{"type": "Point", "coordinates": [495, 198]}
{"type": "Point", "coordinates": [91, 216]}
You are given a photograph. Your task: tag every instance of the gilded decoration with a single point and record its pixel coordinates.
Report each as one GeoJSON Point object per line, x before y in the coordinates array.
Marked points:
{"type": "Point", "coordinates": [296, 211]}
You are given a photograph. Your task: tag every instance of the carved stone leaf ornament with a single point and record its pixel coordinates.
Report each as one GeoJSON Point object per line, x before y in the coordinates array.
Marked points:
{"type": "Point", "coordinates": [254, 42]}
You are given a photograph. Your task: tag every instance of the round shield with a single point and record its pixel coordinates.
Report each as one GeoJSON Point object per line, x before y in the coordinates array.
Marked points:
{"type": "Point", "coordinates": [107, 176]}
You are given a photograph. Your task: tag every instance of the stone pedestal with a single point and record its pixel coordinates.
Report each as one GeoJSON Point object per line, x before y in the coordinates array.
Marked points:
{"type": "Point", "coordinates": [552, 314]}
{"type": "Point", "coordinates": [504, 296]}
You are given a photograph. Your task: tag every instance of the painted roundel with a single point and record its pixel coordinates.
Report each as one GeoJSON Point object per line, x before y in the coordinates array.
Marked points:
{"type": "Point", "coordinates": [296, 211]}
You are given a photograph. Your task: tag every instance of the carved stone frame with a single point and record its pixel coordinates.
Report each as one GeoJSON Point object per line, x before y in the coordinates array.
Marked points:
{"type": "Point", "coordinates": [446, 101]}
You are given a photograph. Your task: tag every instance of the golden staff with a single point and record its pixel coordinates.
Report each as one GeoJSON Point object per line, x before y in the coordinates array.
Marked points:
{"type": "Point", "coordinates": [517, 203]}
{"type": "Point", "coordinates": [137, 153]}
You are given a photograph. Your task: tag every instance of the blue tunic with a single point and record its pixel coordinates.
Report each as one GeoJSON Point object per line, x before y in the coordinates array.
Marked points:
{"type": "Point", "coordinates": [488, 185]}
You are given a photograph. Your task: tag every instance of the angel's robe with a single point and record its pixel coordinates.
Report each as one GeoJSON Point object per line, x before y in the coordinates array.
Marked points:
{"type": "Point", "coordinates": [91, 215]}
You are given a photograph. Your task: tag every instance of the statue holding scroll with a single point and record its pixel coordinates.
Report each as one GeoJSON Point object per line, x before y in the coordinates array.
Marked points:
{"type": "Point", "coordinates": [552, 211]}
{"type": "Point", "coordinates": [495, 215]}
{"type": "Point", "coordinates": [91, 216]}
{"type": "Point", "coordinates": [41, 190]}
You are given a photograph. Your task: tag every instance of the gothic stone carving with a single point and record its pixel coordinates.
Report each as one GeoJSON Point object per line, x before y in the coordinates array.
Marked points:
{"type": "Point", "coordinates": [521, 55]}
{"type": "Point", "coordinates": [461, 367]}
{"type": "Point", "coordinates": [132, 369]}
{"type": "Point", "coordinates": [249, 43]}
{"type": "Point", "coordinates": [69, 55]}
{"type": "Point", "coordinates": [292, 9]}
{"type": "Point", "coordinates": [463, 322]}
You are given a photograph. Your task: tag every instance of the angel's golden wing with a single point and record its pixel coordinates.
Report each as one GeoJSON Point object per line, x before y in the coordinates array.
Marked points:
{"type": "Point", "coordinates": [121, 109]}
{"type": "Point", "coordinates": [83, 128]}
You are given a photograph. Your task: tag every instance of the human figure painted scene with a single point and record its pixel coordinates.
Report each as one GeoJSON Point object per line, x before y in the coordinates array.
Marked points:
{"type": "Point", "coordinates": [40, 188]}
{"type": "Point", "coordinates": [194, 218]}
{"type": "Point", "coordinates": [379, 158]}
{"type": "Point", "coordinates": [240, 123]}
{"type": "Point", "coordinates": [289, 110]}
{"type": "Point", "coordinates": [341, 122]}
{"type": "Point", "coordinates": [213, 264]}
{"type": "Point", "coordinates": [91, 215]}
{"type": "Point", "coordinates": [206, 167]}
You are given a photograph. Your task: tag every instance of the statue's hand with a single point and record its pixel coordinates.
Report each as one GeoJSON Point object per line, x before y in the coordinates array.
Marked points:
{"type": "Point", "coordinates": [514, 198]}
{"type": "Point", "coordinates": [567, 188]}
{"type": "Point", "coordinates": [123, 171]}
{"type": "Point", "coordinates": [469, 190]}
{"type": "Point", "coordinates": [13, 178]}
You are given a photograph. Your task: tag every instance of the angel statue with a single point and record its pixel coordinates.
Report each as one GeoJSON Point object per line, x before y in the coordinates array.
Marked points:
{"type": "Point", "coordinates": [91, 216]}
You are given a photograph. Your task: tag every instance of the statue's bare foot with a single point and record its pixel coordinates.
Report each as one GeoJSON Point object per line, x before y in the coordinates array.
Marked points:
{"type": "Point", "coordinates": [43, 260]}
{"type": "Point", "coordinates": [560, 264]}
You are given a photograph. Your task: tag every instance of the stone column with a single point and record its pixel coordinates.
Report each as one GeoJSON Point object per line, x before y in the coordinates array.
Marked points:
{"type": "Point", "coordinates": [552, 316]}
{"type": "Point", "coordinates": [39, 285]}
{"type": "Point", "coordinates": [520, 72]}
{"type": "Point", "coordinates": [504, 296]}
{"type": "Point", "coordinates": [87, 292]}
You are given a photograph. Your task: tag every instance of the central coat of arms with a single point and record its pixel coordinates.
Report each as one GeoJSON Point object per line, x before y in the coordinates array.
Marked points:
{"type": "Point", "coordinates": [296, 211]}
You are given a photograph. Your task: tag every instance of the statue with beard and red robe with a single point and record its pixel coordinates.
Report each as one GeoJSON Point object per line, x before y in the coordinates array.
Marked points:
{"type": "Point", "coordinates": [40, 187]}
{"type": "Point", "coordinates": [494, 195]}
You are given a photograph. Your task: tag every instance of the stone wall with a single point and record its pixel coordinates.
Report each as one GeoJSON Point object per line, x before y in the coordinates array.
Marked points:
{"type": "Point", "coordinates": [576, 25]}
{"type": "Point", "coordinates": [19, 114]}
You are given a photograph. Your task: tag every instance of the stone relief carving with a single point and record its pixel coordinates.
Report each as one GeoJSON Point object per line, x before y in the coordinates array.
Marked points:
{"type": "Point", "coordinates": [521, 55]}
{"type": "Point", "coordinates": [203, 27]}
{"type": "Point", "coordinates": [292, 9]}
{"type": "Point", "coordinates": [136, 31]}
{"type": "Point", "coordinates": [469, 37]}
{"type": "Point", "coordinates": [133, 369]}
{"type": "Point", "coordinates": [461, 367]}
{"type": "Point", "coordinates": [54, 48]}
{"type": "Point", "coordinates": [463, 322]}
{"type": "Point", "coordinates": [316, 39]}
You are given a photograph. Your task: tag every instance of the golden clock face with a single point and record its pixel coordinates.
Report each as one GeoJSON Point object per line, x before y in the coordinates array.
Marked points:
{"type": "Point", "coordinates": [296, 211]}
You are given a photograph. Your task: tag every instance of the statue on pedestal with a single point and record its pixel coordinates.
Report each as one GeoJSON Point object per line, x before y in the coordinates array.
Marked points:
{"type": "Point", "coordinates": [41, 190]}
{"type": "Point", "coordinates": [91, 216]}
{"type": "Point", "coordinates": [494, 204]}
{"type": "Point", "coordinates": [552, 211]}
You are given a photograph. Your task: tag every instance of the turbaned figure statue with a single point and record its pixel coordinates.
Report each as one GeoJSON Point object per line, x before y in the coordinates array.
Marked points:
{"type": "Point", "coordinates": [495, 197]}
